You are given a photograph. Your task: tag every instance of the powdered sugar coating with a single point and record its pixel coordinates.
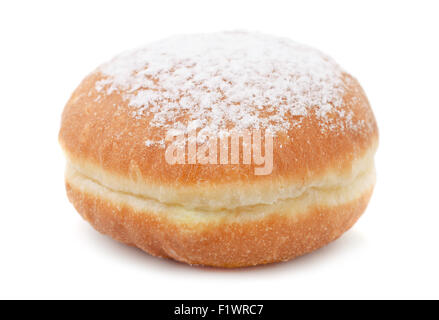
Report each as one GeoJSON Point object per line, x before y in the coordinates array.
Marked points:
{"type": "Point", "coordinates": [222, 81]}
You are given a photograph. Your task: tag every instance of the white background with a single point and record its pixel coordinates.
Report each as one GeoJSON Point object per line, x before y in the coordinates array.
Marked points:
{"type": "Point", "coordinates": [48, 251]}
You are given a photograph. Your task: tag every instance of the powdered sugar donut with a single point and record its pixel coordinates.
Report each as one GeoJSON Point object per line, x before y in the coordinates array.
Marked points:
{"type": "Point", "coordinates": [229, 149]}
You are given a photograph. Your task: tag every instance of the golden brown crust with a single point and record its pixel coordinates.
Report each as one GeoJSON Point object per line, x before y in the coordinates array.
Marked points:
{"type": "Point", "coordinates": [276, 237]}
{"type": "Point", "coordinates": [106, 134]}
{"type": "Point", "coordinates": [220, 214]}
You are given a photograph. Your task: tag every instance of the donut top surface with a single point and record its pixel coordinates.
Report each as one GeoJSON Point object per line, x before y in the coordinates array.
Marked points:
{"type": "Point", "coordinates": [231, 80]}
{"type": "Point", "coordinates": [115, 123]}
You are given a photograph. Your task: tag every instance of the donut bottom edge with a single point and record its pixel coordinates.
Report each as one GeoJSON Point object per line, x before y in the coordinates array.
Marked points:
{"type": "Point", "coordinates": [226, 243]}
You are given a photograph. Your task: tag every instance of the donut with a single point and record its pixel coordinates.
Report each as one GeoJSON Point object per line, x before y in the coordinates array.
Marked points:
{"type": "Point", "coordinates": [228, 149]}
